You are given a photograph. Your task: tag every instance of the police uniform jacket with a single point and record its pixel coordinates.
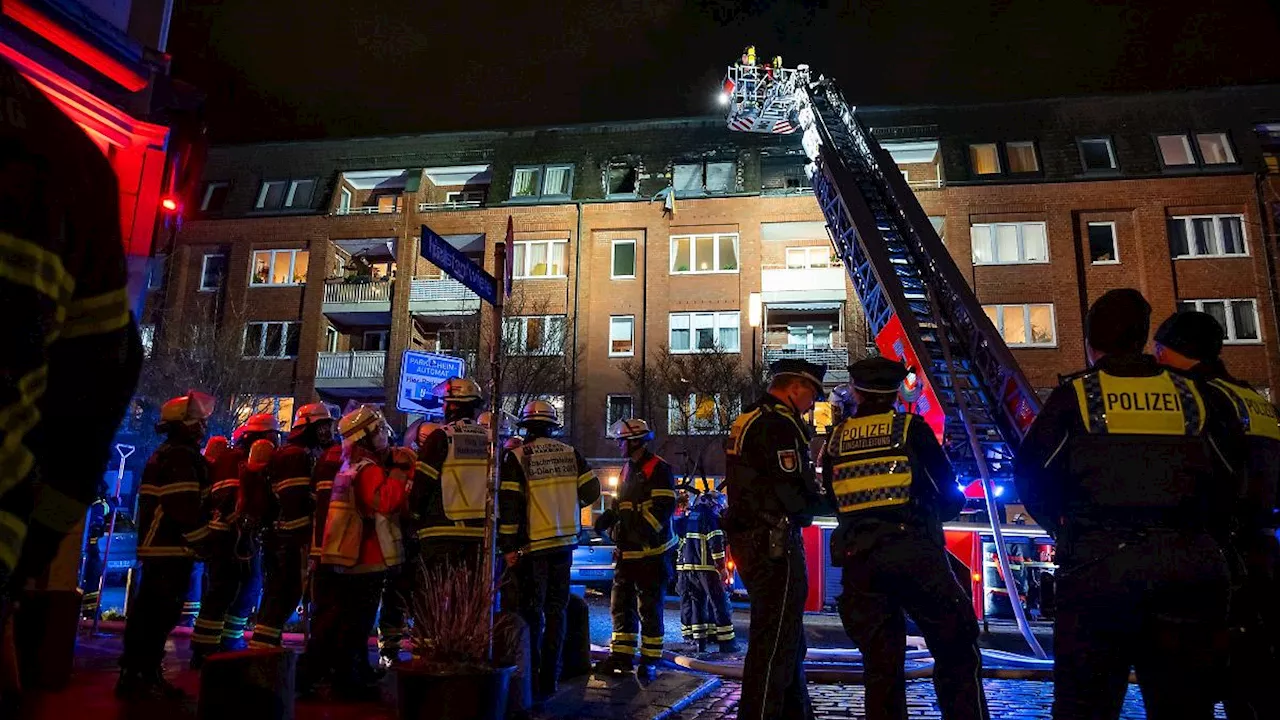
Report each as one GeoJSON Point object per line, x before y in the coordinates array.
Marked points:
{"type": "Point", "coordinates": [886, 470]}
{"type": "Point", "coordinates": [769, 473]}
{"type": "Point", "coordinates": [451, 481]}
{"type": "Point", "coordinates": [646, 502]}
{"type": "Point", "coordinates": [170, 521]}
{"type": "Point", "coordinates": [1258, 421]}
{"type": "Point", "coordinates": [1128, 445]}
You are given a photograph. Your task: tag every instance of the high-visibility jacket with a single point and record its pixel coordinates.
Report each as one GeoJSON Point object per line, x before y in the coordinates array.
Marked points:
{"type": "Point", "coordinates": [362, 532]}
{"type": "Point", "coordinates": [451, 481]}
{"type": "Point", "coordinates": [1258, 419]}
{"type": "Point", "coordinates": [322, 477]}
{"type": "Point", "coordinates": [170, 521]}
{"type": "Point", "coordinates": [646, 501]}
{"type": "Point", "coordinates": [71, 353]}
{"type": "Point", "coordinates": [545, 484]}
{"type": "Point", "coordinates": [293, 506]}
{"type": "Point", "coordinates": [702, 546]}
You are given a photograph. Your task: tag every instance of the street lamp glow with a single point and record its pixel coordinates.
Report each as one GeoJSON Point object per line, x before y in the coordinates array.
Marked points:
{"type": "Point", "coordinates": [723, 98]}
{"type": "Point", "coordinates": [613, 481]}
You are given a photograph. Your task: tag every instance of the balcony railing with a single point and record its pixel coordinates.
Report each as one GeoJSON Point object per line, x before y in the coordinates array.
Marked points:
{"type": "Point", "coordinates": [835, 358]}
{"type": "Point", "coordinates": [932, 184]}
{"type": "Point", "coordinates": [439, 289]}
{"type": "Point", "coordinates": [366, 210]}
{"type": "Point", "coordinates": [354, 365]}
{"type": "Point", "coordinates": [455, 205]}
{"type": "Point", "coordinates": [353, 293]}
{"type": "Point", "coordinates": [779, 278]}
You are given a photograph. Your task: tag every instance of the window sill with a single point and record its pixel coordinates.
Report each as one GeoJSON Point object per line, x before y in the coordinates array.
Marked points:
{"type": "Point", "coordinates": [1054, 346]}
{"type": "Point", "coordinates": [622, 277]}
{"type": "Point", "coordinates": [277, 285]}
{"type": "Point", "coordinates": [705, 272]}
{"type": "Point", "coordinates": [1235, 256]}
{"type": "Point", "coordinates": [269, 357]}
{"type": "Point", "coordinates": [1105, 262]}
{"type": "Point", "coordinates": [727, 351]}
{"type": "Point", "coordinates": [622, 355]}
{"type": "Point", "coordinates": [534, 200]}
{"type": "Point", "coordinates": [1245, 343]}
{"type": "Point", "coordinates": [203, 289]}
{"type": "Point", "coordinates": [1004, 264]}
{"type": "Point", "coordinates": [539, 277]}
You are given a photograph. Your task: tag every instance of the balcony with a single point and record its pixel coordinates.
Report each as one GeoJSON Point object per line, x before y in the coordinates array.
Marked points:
{"type": "Point", "coordinates": [351, 371]}
{"type": "Point", "coordinates": [451, 205]}
{"type": "Point", "coordinates": [441, 296]}
{"type": "Point", "coordinates": [835, 357]}
{"type": "Point", "coordinates": [366, 210]}
{"type": "Point", "coordinates": [780, 284]}
{"type": "Point", "coordinates": [358, 303]}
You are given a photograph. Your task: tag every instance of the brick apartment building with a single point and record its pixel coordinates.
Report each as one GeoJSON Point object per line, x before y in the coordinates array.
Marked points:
{"type": "Point", "coordinates": [1045, 205]}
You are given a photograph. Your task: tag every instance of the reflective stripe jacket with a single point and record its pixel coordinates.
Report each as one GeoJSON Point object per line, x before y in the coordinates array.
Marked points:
{"type": "Point", "coordinates": [326, 470]}
{"type": "Point", "coordinates": [702, 542]}
{"type": "Point", "coordinates": [1127, 445]}
{"type": "Point", "coordinates": [451, 481]}
{"type": "Point", "coordinates": [545, 483]}
{"type": "Point", "coordinates": [769, 471]}
{"type": "Point", "coordinates": [224, 491]}
{"type": "Point", "coordinates": [290, 471]}
{"type": "Point", "coordinates": [169, 515]}
{"type": "Point", "coordinates": [71, 352]}
{"type": "Point", "coordinates": [646, 501]}
{"type": "Point", "coordinates": [362, 531]}
{"type": "Point", "coordinates": [1258, 420]}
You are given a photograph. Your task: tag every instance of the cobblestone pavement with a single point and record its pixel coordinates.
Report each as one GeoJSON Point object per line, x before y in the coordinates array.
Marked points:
{"type": "Point", "coordinates": [1007, 699]}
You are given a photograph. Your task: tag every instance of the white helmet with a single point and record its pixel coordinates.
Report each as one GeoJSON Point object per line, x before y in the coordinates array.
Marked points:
{"type": "Point", "coordinates": [539, 411]}
{"type": "Point", "coordinates": [631, 429]}
{"type": "Point", "coordinates": [360, 423]}
{"type": "Point", "coordinates": [458, 390]}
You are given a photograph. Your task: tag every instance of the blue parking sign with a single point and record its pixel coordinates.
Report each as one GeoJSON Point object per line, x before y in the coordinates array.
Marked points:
{"type": "Point", "coordinates": [420, 372]}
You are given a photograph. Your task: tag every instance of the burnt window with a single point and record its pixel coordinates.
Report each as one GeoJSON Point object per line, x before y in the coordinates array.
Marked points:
{"type": "Point", "coordinates": [783, 174]}
{"type": "Point", "coordinates": [622, 179]}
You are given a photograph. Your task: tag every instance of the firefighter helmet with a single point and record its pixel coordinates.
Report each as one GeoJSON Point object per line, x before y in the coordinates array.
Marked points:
{"type": "Point", "coordinates": [539, 411]}
{"type": "Point", "coordinates": [631, 429]}
{"type": "Point", "coordinates": [187, 409]}
{"type": "Point", "coordinates": [215, 447]}
{"type": "Point", "coordinates": [360, 423]}
{"type": "Point", "coordinates": [485, 419]}
{"type": "Point", "coordinates": [262, 423]}
{"type": "Point", "coordinates": [458, 390]}
{"type": "Point", "coordinates": [312, 414]}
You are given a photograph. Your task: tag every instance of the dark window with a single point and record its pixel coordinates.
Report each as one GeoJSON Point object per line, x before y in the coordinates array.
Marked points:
{"type": "Point", "coordinates": [1102, 243]}
{"type": "Point", "coordinates": [213, 272]}
{"type": "Point", "coordinates": [300, 194]}
{"type": "Point", "coordinates": [275, 333]}
{"type": "Point", "coordinates": [780, 174]}
{"type": "Point", "coordinates": [253, 339]}
{"type": "Point", "coordinates": [624, 258]}
{"type": "Point", "coordinates": [1178, 238]}
{"type": "Point", "coordinates": [622, 179]}
{"type": "Point", "coordinates": [619, 408]}
{"type": "Point", "coordinates": [1097, 154]}
{"type": "Point", "coordinates": [292, 339]}
{"type": "Point", "coordinates": [271, 194]}
{"type": "Point", "coordinates": [215, 196]}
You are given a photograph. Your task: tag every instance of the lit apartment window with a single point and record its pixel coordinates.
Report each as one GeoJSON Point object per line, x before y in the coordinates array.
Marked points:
{"type": "Point", "coordinates": [539, 259]}
{"type": "Point", "coordinates": [535, 334]}
{"type": "Point", "coordinates": [617, 407]}
{"type": "Point", "coordinates": [1102, 243]}
{"type": "Point", "coordinates": [546, 182]}
{"type": "Point", "coordinates": [623, 259]}
{"type": "Point", "coordinates": [1009, 243]}
{"type": "Point", "coordinates": [1210, 149]}
{"type": "Point", "coordinates": [215, 196]}
{"type": "Point", "coordinates": [213, 270]}
{"type": "Point", "coordinates": [1029, 325]}
{"type": "Point", "coordinates": [1238, 317]}
{"type": "Point", "coordinates": [704, 253]}
{"type": "Point", "coordinates": [1097, 154]}
{"type": "Point", "coordinates": [622, 332]}
{"type": "Point", "coordinates": [280, 406]}
{"type": "Point", "coordinates": [985, 158]}
{"type": "Point", "coordinates": [279, 267]}
{"type": "Point", "coordinates": [1022, 156]}
{"type": "Point", "coordinates": [700, 414]}
{"type": "Point", "coordinates": [694, 332]}
{"type": "Point", "coordinates": [702, 177]}
{"type": "Point", "coordinates": [1207, 236]}
{"type": "Point", "coordinates": [808, 257]}
{"type": "Point", "coordinates": [271, 339]}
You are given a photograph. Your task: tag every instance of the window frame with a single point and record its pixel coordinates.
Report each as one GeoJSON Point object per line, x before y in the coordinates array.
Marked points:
{"type": "Point", "coordinates": [717, 316]}
{"type": "Point", "coordinates": [264, 190]}
{"type": "Point", "coordinates": [715, 244]}
{"type": "Point", "coordinates": [808, 251]}
{"type": "Point", "coordinates": [1026, 320]}
{"type": "Point", "coordinates": [522, 342]}
{"type": "Point", "coordinates": [1111, 153]}
{"type": "Point", "coordinates": [1035, 157]}
{"type": "Point", "coordinates": [735, 407]}
{"type": "Point", "coordinates": [209, 189]}
{"type": "Point", "coordinates": [995, 150]}
{"type": "Point", "coordinates": [608, 400]}
{"type": "Point", "coordinates": [1022, 248]}
{"type": "Point", "coordinates": [462, 197]}
{"type": "Point", "coordinates": [1191, 142]}
{"type": "Point", "coordinates": [516, 272]}
{"type": "Point", "coordinates": [384, 334]}
{"type": "Point", "coordinates": [1226, 141]}
{"type": "Point", "coordinates": [331, 338]}
{"type": "Point", "coordinates": [613, 258]}
{"type": "Point", "coordinates": [293, 266]}
{"type": "Point", "coordinates": [285, 334]}
{"type": "Point", "coordinates": [1217, 230]}
{"type": "Point", "coordinates": [204, 269]}
{"type": "Point", "coordinates": [540, 184]}
{"type": "Point", "coordinates": [288, 202]}
{"type": "Point", "coordinates": [1186, 144]}
{"type": "Point", "coordinates": [703, 190]}
{"type": "Point", "coordinates": [631, 320]}
{"type": "Point", "coordinates": [1230, 327]}
{"type": "Point", "coordinates": [1115, 242]}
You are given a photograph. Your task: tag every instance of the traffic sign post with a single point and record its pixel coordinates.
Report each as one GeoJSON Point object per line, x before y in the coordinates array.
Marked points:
{"type": "Point", "coordinates": [420, 372]}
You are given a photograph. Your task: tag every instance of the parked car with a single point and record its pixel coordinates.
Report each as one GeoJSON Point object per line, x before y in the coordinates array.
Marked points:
{"type": "Point", "coordinates": [592, 561]}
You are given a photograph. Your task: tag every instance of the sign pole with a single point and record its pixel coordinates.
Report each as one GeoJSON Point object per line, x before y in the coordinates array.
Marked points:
{"type": "Point", "coordinates": [495, 421]}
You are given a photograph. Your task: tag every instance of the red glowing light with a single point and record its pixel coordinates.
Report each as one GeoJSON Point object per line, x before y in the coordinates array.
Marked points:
{"type": "Point", "coordinates": [67, 40]}
{"type": "Point", "coordinates": [169, 204]}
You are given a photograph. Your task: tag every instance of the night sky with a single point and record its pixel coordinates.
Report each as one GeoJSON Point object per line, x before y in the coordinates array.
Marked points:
{"type": "Point", "coordinates": [295, 69]}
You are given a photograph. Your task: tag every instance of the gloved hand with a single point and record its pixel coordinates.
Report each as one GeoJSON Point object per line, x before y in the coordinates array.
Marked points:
{"type": "Point", "coordinates": [403, 458]}
{"type": "Point", "coordinates": [605, 521]}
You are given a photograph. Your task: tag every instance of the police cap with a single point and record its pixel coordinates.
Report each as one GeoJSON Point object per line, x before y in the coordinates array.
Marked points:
{"type": "Point", "coordinates": [1118, 321]}
{"type": "Point", "coordinates": [877, 375]}
{"type": "Point", "coordinates": [1191, 333]}
{"type": "Point", "coordinates": [803, 369]}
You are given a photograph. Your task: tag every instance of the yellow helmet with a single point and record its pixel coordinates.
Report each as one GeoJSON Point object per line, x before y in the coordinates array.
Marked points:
{"type": "Point", "coordinates": [539, 411]}
{"type": "Point", "coordinates": [360, 423]}
{"type": "Point", "coordinates": [457, 389]}
{"type": "Point", "coordinates": [187, 409]}
{"type": "Point", "coordinates": [311, 414]}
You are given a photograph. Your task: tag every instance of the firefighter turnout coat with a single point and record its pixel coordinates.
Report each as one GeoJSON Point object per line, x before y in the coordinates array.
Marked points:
{"type": "Point", "coordinates": [451, 481]}
{"type": "Point", "coordinates": [646, 502]}
{"type": "Point", "coordinates": [170, 521]}
{"type": "Point", "coordinates": [545, 484]}
{"type": "Point", "coordinates": [293, 506]}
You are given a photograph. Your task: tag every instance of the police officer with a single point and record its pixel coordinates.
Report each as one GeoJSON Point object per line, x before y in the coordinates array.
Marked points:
{"type": "Point", "coordinates": [1127, 467]}
{"type": "Point", "coordinates": [288, 521]}
{"type": "Point", "coordinates": [170, 524]}
{"type": "Point", "coordinates": [1191, 342]}
{"type": "Point", "coordinates": [545, 484]}
{"type": "Point", "coordinates": [234, 564]}
{"type": "Point", "coordinates": [772, 493]}
{"type": "Point", "coordinates": [702, 563]}
{"type": "Point", "coordinates": [640, 525]}
{"type": "Point", "coordinates": [892, 487]}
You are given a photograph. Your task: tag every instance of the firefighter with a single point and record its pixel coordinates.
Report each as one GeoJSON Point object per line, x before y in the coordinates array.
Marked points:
{"type": "Point", "coordinates": [702, 563]}
{"type": "Point", "coordinates": [545, 483]}
{"type": "Point", "coordinates": [772, 493]}
{"type": "Point", "coordinates": [362, 540]}
{"type": "Point", "coordinates": [1127, 468]}
{"type": "Point", "coordinates": [1191, 342]}
{"type": "Point", "coordinates": [892, 488]}
{"type": "Point", "coordinates": [170, 525]}
{"type": "Point", "coordinates": [640, 524]}
{"type": "Point", "coordinates": [233, 567]}
{"type": "Point", "coordinates": [288, 522]}
{"type": "Point", "coordinates": [317, 592]}
{"type": "Point", "coordinates": [72, 354]}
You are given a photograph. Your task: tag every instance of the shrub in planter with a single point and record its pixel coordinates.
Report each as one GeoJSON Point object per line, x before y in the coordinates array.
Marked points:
{"type": "Point", "coordinates": [451, 676]}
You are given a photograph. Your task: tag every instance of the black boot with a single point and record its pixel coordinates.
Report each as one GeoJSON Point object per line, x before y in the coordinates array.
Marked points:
{"type": "Point", "coordinates": [615, 665]}
{"type": "Point", "coordinates": [730, 646]}
{"type": "Point", "coordinates": [647, 671]}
